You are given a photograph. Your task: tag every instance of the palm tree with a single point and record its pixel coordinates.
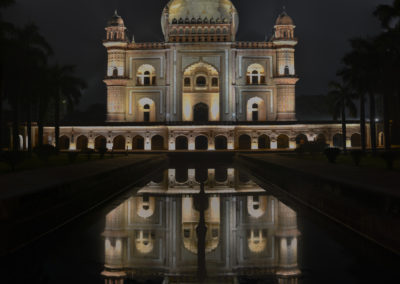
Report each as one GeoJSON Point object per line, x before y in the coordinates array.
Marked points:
{"type": "Point", "coordinates": [44, 94]}
{"type": "Point", "coordinates": [35, 51]}
{"type": "Point", "coordinates": [5, 30]}
{"type": "Point", "coordinates": [66, 88]}
{"type": "Point", "coordinates": [340, 99]}
{"type": "Point", "coordinates": [29, 52]}
{"type": "Point", "coordinates": [362, 64]}
{"type": "Point", "coordinates": [388, 46]}
{"type": "Point", "coordinates": [6, 3]}
{"type": "Point", "coordinates": [389, 15]}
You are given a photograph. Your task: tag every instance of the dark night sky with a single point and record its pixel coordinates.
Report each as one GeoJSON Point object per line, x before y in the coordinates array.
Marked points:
{"type": "Point", "coordinates": [75, 29]}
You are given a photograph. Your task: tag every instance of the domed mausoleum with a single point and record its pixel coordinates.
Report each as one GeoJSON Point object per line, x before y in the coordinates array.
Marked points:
{"type": "Point", "coordinates": [200, 88]}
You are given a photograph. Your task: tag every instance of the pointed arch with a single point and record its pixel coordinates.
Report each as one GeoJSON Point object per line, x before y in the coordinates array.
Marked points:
{"type": "Point", "coordinates": [255, 74]}
{"type": "Point", "coordinates": [283, 141]}
{"type": "Point", "coordinates": [157, 142]}
{"type": "Point", "coordinates": [221, 142]}
{"type": "Point", "coordinates": [146, 75]}
{"type": "Point", "coordinates": [256, 109]}
{"type": "Point", "coordinates": [181, 143]}
{"type": "Point", "coordinates": [119, 143]}
{"type": "Point", "coordinates": [82, 142]}
{"type": "Point", "coordinates": [244, 142]}
{"type": "Point", "coordinates": [264, 142]}
{"type": "Point", "coordinates": [100, 142]}
{"type": "Point", "coordinates": [64, 142]}
{"type": "Point", "coordinates": [147, 110]}
{"type": "Point", "coordinates": [138, 143]}
{"type": "Point", "coordinates": [201, 142]}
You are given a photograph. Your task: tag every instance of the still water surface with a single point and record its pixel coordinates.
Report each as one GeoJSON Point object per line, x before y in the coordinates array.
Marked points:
{"type": "Point", "coordinates": [151, 235]}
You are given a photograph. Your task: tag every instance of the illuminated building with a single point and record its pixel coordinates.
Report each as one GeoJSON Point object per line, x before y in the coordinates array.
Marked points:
{"type": "Point", "coordinates": [201, 88]}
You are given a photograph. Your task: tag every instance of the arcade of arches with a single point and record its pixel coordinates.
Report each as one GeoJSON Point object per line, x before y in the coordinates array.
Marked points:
{"type": "Point", "coordinates": [204, 138]}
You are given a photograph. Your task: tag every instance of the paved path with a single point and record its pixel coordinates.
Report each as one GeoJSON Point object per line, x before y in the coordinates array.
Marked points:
{"type": "Point", "coordinates": [20, 183]}
{"type": "Point", "coordinates": [374, 180]}
{"type": "Point", "coordinates": [366, 201]}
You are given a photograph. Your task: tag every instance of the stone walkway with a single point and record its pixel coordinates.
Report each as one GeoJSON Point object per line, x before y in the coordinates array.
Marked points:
{"type": "Point", "coordinates": [374, 180]}
{"type": "Point", "coordinates": [366, 201]}
{"type": "Point", "coordinates": [20, 183]}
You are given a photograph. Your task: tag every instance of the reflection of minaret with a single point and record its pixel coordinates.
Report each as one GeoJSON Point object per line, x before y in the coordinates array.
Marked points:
{"type": "Point", "coordinates": [287, 233]}
{"type": "Point", "coordinates": [115, 246]}
{"type": "Point", "coordinates": [201, 230]}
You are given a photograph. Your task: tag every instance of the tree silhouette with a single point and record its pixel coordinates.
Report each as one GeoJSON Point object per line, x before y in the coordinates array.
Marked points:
{"type": "Point", "coordinates": [66, 89]}
{"type": "Point", "coordinates": [5, 30]}
{"type": "Point", "coordinates": [340, 99]}
{"type": "Point", "coordinates": [28, 51]}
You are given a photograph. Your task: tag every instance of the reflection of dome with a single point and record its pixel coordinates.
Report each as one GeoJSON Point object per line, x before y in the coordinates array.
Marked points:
{"type": "Point", "coordinates": [217, 10]}
{"type": "Point", "coordinates": [116, 20]}
{"type": "Point", "coordinates": [284, 20]}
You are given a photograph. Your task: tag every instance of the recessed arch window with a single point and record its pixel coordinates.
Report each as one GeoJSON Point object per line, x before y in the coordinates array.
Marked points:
{"type": "Point", "coordinates": [115, 72]}
{"type": "Point", "coordinates": [201, 81]}
{"type": "Point", "coordinates": [255, 74]}
{"type": "Point", "coordinates": [214, 82]}
{"type": "Point", "coordinates": [256, 109]}
{"type": "Point", "coordinates": [148, 108]}
{"type": "Point", "coordinates": [254, 112]}
{"type": "Point", "coordinates": [287, 71]}
{"type": "Point", "coordinates": [146, 113]}
{"type": "Point", "coordinates": [146, 75]}
{"type": "Point", "coordinates": [187, 82]}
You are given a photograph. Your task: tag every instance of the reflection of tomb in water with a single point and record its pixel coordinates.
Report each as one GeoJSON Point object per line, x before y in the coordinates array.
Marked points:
{"type": "Point", "coordinates": [154, 232]}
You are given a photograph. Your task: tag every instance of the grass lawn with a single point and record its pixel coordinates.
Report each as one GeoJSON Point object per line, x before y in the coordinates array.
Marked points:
{"type": "Point", "coordinates": [55, 161]}
{"type": "Point", "coordinates": [368, 161]}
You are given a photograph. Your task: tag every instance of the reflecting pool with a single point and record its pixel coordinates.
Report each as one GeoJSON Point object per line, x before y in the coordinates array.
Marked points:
{"type": "Point", "coordinates": [201, 223]}
{"type": "Point", "coordinates": [249, 234]}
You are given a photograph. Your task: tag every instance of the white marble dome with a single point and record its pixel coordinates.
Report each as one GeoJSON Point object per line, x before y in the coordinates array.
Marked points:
{"type": "Point", "coordinates": [223, 10]}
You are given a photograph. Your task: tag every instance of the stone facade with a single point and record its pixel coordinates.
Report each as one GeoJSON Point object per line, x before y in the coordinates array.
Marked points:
{"type": "Point", "coordinates": [201, 86]}
{"type": "Point", "coordinates": [200, 56]}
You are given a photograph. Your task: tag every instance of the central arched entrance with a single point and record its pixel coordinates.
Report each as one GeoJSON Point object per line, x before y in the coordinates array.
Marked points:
{"type": "Point", "coordinates": [200, 113]}
{"type": "Point", "coordinates": [201, 93]}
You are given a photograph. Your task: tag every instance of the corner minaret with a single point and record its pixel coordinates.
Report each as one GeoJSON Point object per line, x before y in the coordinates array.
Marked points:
{"type": "Point", "coordinates": [285, 76]}
{"type": "Point", "coordinates": [287, 235]}
{"type": "Point", "coordinates": [116, 43]}
{"type": "Point", "coordinates": [116, 30]}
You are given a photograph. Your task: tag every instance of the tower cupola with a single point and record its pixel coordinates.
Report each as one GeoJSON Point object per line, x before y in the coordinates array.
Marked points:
{"type": "Point", "coordinates": [284, 27]}
{"type": "Point", "coordinates": [116, 30]}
